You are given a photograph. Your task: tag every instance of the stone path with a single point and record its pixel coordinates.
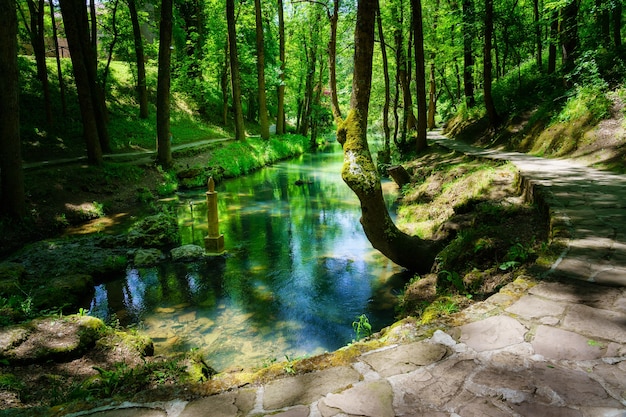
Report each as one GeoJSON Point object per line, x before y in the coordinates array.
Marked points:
{"type": "Point", "coordinates": [553, 348]}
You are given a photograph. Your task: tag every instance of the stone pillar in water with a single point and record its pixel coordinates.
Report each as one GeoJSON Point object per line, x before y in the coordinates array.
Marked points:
{"type": "Point", "coordinates": [214, 241]}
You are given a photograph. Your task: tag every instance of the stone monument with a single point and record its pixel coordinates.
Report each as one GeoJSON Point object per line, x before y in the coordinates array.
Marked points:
{"type": "Point", "coordinates": [214, 241]}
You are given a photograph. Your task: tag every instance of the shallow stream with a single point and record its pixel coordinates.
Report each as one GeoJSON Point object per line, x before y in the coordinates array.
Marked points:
{"type": "Point", "coordinates": [298, 271]}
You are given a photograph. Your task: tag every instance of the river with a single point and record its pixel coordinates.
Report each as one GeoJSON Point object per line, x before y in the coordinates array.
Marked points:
{"type": "Point", "coordinates": [297, 273]}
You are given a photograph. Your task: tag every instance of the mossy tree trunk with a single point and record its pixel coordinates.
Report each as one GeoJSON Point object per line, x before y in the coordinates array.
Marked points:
{"type": "Point", "coordinates": [359, 171]}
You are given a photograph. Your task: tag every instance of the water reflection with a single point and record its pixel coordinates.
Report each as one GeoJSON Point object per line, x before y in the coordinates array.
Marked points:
{"type": "Point", "coordinates": [299, 270]}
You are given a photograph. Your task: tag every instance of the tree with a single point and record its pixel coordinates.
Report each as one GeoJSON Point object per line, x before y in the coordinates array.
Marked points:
{"type": "Point", "coordinates": [164, 146]}
{"type": "Point", "coordinates": [280, 112]}
{"type": "Point", "coordinates": [37, 37]}
{"type": "Point", "coordinates": [58, 59]}
{"type": "Point", "coordinates": [12, 201]}
{"type": "Point", "coordinates": [234, 71]}
{"type": "Point", "coordinates": [333, 18]}
{"type": "Point", "coordinates": [420, 75]}
{"type": "Point", "coordinates": [492, 115]}
{"type": "Point", "coordinates": [142, 91]}
{"type": "Point", "coordinates": [83, 66]}
{"type": "Point", "coordinates": [359, 171]}
{"type": "Point", "coordinates": [468, 52]}
{"type": "Point", "coordinates": [569, 33]}
{"type": "Point", "coordinates": [385, 157]}
{"type": "Point", "coordinates": [260, 66]}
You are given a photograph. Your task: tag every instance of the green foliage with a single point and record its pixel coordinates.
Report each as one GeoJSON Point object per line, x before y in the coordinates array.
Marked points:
{"type": "Point", "coordinates": [454, 279]}
{"type": "Point", "coordinates": [516, 255]}
{"type": "Point", "coordinates": [168, 184]}
{"type": "Point", "coordinates": [362, 327]}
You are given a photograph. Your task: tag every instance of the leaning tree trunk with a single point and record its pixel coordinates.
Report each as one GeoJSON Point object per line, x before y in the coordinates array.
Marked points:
{"type": "Point", "coordinates": [359, 171]}
{"type": "Point", "coordinates": [385, 156]}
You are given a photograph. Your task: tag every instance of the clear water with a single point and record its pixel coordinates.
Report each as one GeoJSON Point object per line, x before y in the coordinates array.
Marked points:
{"type": "Point", "coordinates": [298, 271]}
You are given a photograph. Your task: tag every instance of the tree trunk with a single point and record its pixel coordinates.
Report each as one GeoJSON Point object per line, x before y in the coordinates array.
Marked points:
{"type": "Point", "coordinates": [538, 41]}
{"type": "Point", "coordinates": [554, 34]}
{"type": "Point", "coordinates": [142, 90]}
{"type": "Point", "coordinates": [58, 59]}
{"type": "Point", "coordinates": [260, 67]}
{"type": "Point", "coordinates": [280, 111]}
{"type": "Point", "coordinates": [432, 98]}
{"type": "Point", "coordinates": [12, 196]}
{"type": "Point", "coordinates": [492, 115]}
{"type": "Point", "coordinates": [164, 135]}
{"type": "Point", "coordinates": [468, 53]}
{"type": "Point", "coordinates": [603, 22]}
{"type": "Point", "coordinates": [386, 153]}
{"type": "Point", "coordinates": [420, 75]}
{"type": "Point", "coordinates": [359, 171]}
{"type": "Point", "coordinates": [77, 33]}
{"type": "Point", "coordinates": [224, 85]}
{"type": "Point", "coordinates": [240, 132]}
{"type": "Point", "coordinates": [36, 8]}
{"type": "Point", "coordinates": [332, 61]}
{"type": "Point", "coordinates": [617, 25]}
{"type": "Point", "coordinates": [569, 34]}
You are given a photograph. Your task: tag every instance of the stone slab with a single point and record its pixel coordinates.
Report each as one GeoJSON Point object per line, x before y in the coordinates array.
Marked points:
{"type": "Point", "coordinates": [370, 399]}
{"type": "Point", "coordinates": [231, 404]}
{"type": "Point", "coordinates": [596, 323]}
{"type": "Point", "coordinates": [593, 295]}
{"type": "Point", "coordinates": [129, 412]}
{"type": "Point", "coordinates": [404, 358]}
{"type": "Point", "coordinates": [492, 333]}
{"type": "Point", "coordinates": [307, 388]}
{"type": "Point", "coordinates": [553, 343]}
{"type": "Point", "coordinates": [430, 388]}
{"type": "Point", "coordinates": [533, 307]}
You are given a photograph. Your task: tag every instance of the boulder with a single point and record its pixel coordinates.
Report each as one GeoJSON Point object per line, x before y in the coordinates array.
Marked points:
{"type": "Point", "coordinates": [11, 276]}
{"type": "Point", "coordinates": [50, 338]}
{"type": "Point", "coordinates": [160, 230]}
{"type": "Point", "coordinates": [67, 293]}
{"type": "Point", "coordinates": [147, 257]}
{"type": "Point", "coordinates": [187, 253]}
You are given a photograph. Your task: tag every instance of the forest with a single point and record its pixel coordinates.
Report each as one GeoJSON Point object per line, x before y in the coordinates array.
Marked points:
{"type": "Point", "coordinates": [291, 66]}
{"type": "Point", "coordinates": [112, 107]}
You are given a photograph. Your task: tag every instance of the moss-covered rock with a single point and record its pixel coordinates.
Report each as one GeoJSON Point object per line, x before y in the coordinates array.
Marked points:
{"type": "Point", "coordinates": [67, 293]}
{"type": "Point", "coordinates": [158, 231]}
{"type": "Point", "coordinates": [11, 277]}
{"type": "Point", "coordinates": [51, 338]}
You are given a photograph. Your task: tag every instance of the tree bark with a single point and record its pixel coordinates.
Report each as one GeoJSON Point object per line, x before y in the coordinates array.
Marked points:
{"type": "Point", "coordinates": [240, 132]}
{"type": "Point", "coordinates": [538, 42]}
{"type": "Point", "coordinates": [142, 90]}
{"type": "Point", "coordinates": [12, 196]}
{"type": "Point", "coordinates": [260, 67]}
{"type": "Point", "coordinates": [36, 32]}
{"type": "Point", "coordinates": [569, 34]}
{"type": "Point", "coordinates": [432, 97]}
{"type": "Point", "coordinates": [224, 85]}
{"type": "Point", "coordinates": [617, 25]}
{"type": "Point", "coordinates": [468, 53]}
{"type": "Point", "coordinates": [554, 33]}
{"type": "Point", "coordinates": [77, 33]}
{"type": "Point", "coordinates": [332, 61]}
{"type": "Point", "coordinates": [164, 136]}
{"type": "Point", "coordinates": [386, 154]}
{"type": "Point", "coordinates": [492, 114]}
{"type": "Point", "coordinates": [58, 59]}
{"type": "Point", "coordinates": [420, 75]}
{"type": "Point", "coordinates": [359, 171]}
{"type": "Point", "coordinates": [280, 112]}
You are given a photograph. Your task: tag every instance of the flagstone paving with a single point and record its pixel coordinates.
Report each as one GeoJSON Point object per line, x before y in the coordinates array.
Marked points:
{"type": "Point", "coordinates": [553, 347]}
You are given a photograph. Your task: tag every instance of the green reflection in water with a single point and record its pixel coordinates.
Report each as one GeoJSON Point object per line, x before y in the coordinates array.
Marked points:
{"type": "Point", "coordinates": [298, 271]}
